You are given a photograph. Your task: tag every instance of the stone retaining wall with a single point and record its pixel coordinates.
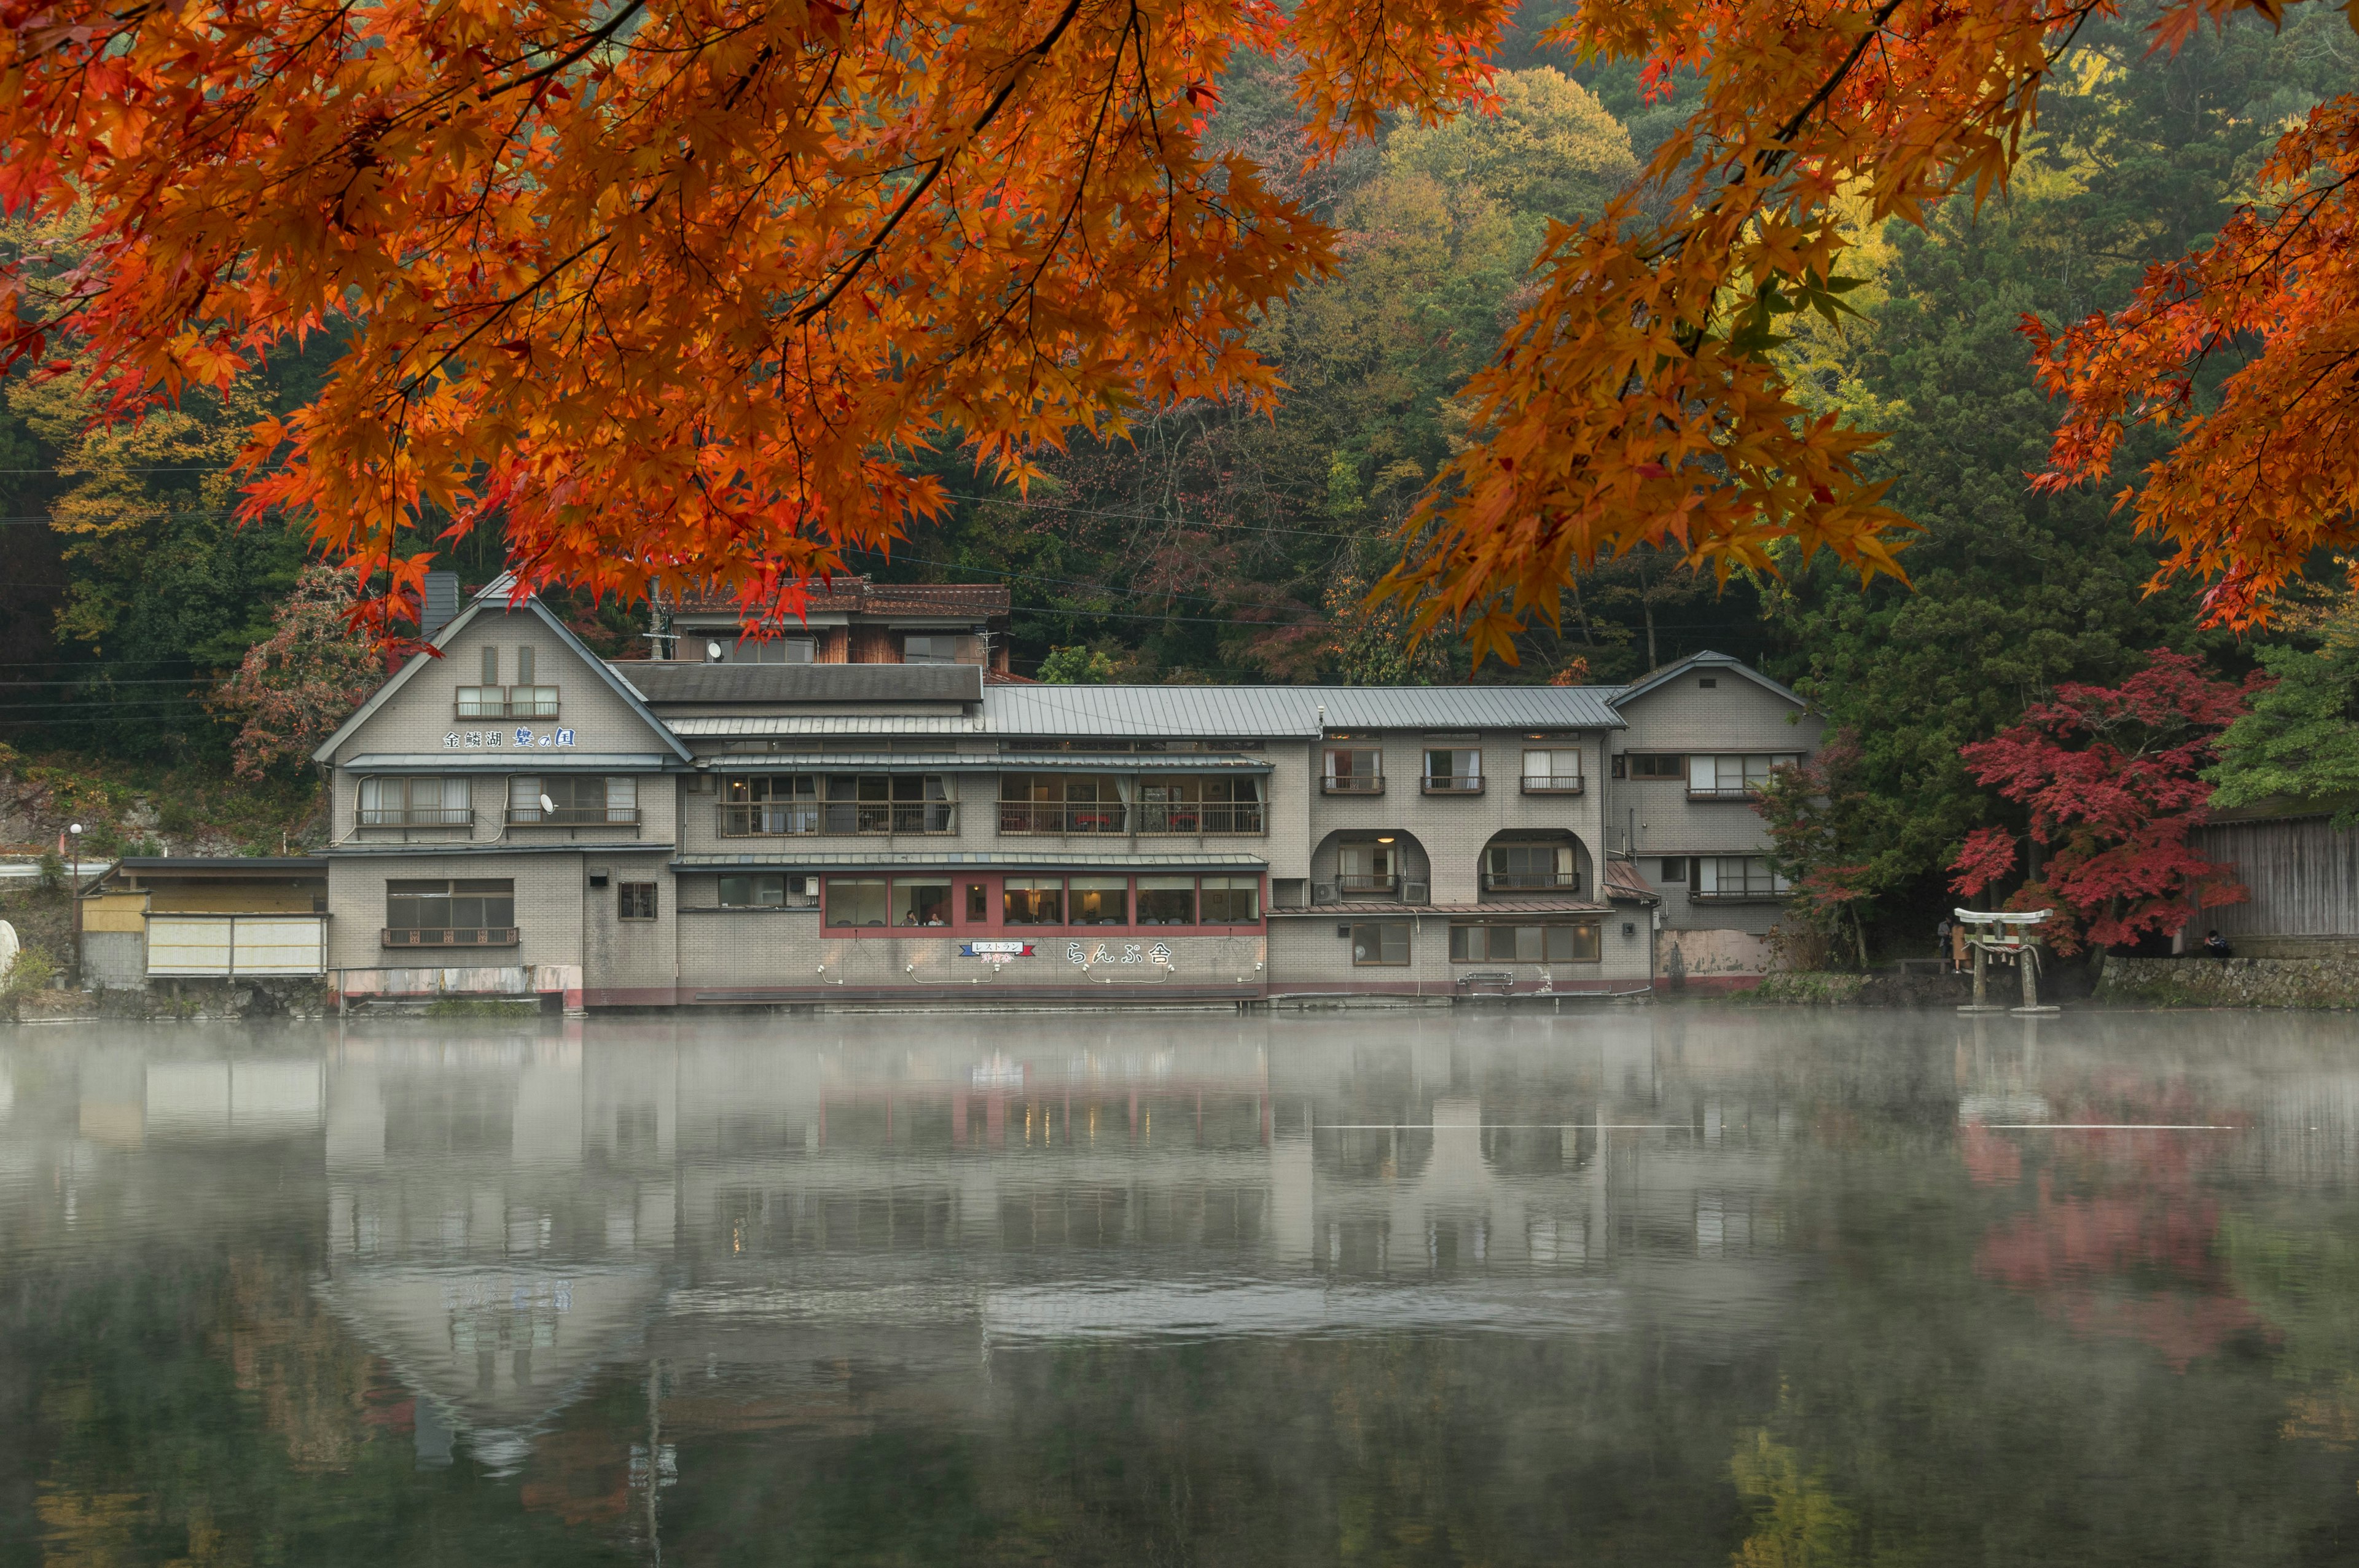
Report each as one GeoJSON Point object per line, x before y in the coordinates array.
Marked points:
{"type": "Point", "coordinates": [2321, 982]}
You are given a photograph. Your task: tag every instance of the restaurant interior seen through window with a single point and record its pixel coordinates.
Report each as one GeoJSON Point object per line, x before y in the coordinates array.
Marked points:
{"type": "Point", "coordinates": [919, 903]}
{"type": "Point", "coordinates": [935, 902]}
{"type": "Point", "coordinates": [855, 900]}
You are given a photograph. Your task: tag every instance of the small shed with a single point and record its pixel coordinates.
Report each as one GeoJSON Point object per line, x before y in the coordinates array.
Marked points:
{"type": "Point", "coordinates": [205, 917]}
{"type": "Point", "coordinates": [2300, 870]}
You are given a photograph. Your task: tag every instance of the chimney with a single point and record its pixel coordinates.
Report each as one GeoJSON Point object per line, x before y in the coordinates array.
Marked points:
{"type": "Point", "coordinates": [441, 602]}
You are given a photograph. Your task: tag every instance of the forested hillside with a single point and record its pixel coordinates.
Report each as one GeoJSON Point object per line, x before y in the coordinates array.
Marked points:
{"type": "Point", "coordinates": [1217, 543]}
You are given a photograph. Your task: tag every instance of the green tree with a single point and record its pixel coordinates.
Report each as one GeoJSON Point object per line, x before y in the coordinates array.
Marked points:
{"type": "Point", "coordinates": [2300, 737]}
{"type": "Point", "coordinates": [1551, 150]}
{"type": "Point", "coordinates": [1076, 666]}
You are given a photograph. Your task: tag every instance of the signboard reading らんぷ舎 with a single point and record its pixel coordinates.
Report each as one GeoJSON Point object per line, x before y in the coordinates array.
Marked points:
{"type": "Point", "coordinates": [498, 739]}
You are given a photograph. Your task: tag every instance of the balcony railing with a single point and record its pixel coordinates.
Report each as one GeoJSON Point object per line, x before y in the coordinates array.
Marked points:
{"type": "Point", "coordinates": [1351, 783]}
{"type": "Point", "coordinates": [507, 702]}
{"type": "Point", "coordinates": [417, 817]}
{"type": "Point", "coordinates": [1552, 784]}
{"type": "Point", "coordinates": [450, 936]}
{"type": "Point", "coordinates": [1531, 881]}
{"type": "Point", "coordinates": [796, 820]}
{"type": "Point", "coordinates": [1052, 816]}
{"type": "Point", "coordinates": [1211, 817]}
{"type": "Point", "coordinates": [1453, 783]}
{"type": "Point", "coordinates": [1737, 895]}
{"type": "Point", "coordinates": [1724, 792]}
{"type": "Point", "coordinates": [573, 816]}
{"type": "Point", "coordinates": [1367, 885]}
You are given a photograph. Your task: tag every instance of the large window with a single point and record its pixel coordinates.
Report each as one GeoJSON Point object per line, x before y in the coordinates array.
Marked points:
{"type": "Point", "coordinates": [525, 699]}
{"type": "Point", "coordinates": [763, 805]}
{"type": "Point", "coordinates": [1060, 802]}
{"type": "Point", "coordinates": [1380, 942]}
{"type": "Point", "coordinates": [414, 803]}
{"type": "Point", "coordinates": [1554, 770]}
{"type": "Point", "coordinates": [1530, 868]}
{"type": "Point", "coordinates": [1369, 869]}
{"type": "Point", "coordinates": [1570, 942]}
{"type": "Point", "coordinates": [1200, 806]}
{"type": "Point", "coordinates": [919, 903]}
{"type": "Point", "coordinates": [1453, 769]}
{"type": "Point", "coordinates": [1656, 767]}
{"type": "Point", "coordinates": [1100, 900]}
{"type": "Point", "coordinates": [1353, 770]}
{"type": "Point", "coordinates": [1033, 901]}
{"type": "Point", "coordinates": [1734, 877]}
{"type": "Point", "coordinates": [758, 890]}
{"type": "Point", "coordinates": [476, 912]}
{"type": "Point", "coordinates": [855, 900]}
{"type": "Point", "coordinates": [774, 651]}
{"type": "Point", "coordinates": [931, 648]}
{"type": "Point", "coordinates": [1232, 901]}
{"type": "Point", "coordinates": [1167, 901]}
{"type": "Point", "coordinates": [1733, 777]}
{"type": "Point", "coordinates": [572, 800]}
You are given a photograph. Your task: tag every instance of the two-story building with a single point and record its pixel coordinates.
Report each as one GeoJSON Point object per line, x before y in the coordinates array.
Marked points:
{"type": "Point", "coordinates": [514, 814]}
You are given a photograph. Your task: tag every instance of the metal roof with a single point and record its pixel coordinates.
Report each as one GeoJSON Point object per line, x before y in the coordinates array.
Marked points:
{"type": "Point", "coordinates": [1707, 660]}
{"type": "Point", "coordinates": [859, 596]}
{"type": "Point", "coordinates": [1196, 713]}
{"type": "Point", "coordinates": [508, 759]}
{"type": "Point", "coordinates": [677, 681]}
{"type": "Point", "coordinates": [222, 865]}
{"type": "Point", "coordinates": [992, 762]}
{"type": "Point", "coordinates": [969, 861]}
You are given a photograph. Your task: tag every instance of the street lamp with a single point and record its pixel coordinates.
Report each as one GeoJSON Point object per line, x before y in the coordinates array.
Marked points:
{"type": "Point", "coordinates": [73, 872]}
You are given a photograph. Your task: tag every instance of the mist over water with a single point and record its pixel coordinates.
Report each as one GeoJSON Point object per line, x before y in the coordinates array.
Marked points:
{"type": "Point", "coordinates": [1682, 1284]}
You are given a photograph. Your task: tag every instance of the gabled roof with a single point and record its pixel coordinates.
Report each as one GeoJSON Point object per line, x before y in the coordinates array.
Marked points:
{"type": "Point", "coordinates": [1707, 660]}
{"type": "Point", "coordinates": [497, 592]}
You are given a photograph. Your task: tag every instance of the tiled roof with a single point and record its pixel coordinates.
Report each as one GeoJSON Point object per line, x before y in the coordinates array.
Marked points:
{"type": "Point", "coordinates": [667, 681]}
{"type": "Point", "coordinates": [1623, 879]}
{"type": "Point", "coordinates": [858, 596]}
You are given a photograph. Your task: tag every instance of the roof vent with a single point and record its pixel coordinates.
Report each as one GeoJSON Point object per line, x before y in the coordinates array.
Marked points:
{"type": "Point", "coordinates": [441, 602]}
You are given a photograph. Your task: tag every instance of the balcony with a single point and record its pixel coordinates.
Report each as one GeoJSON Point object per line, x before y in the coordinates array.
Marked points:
{"type": "Point", "coordinates": [1531, 881]}
{"type": "Point", "coordinates": [1223, 818]}
{"type": "Point", "coordinates": [1070, 818]}
{"type": "Point", "coordinates": [450, 936]}
{"type": "Point", "coordinates": [879, 818]}
{"type": "Point", "coordinates": [1453, 783]}
{"type": "Point", "coordinates": [1367, 885]}
{"type": "Point", "coordinates": [507, 702]}
{"type": "Point", "coordinates": [1552, 784]}
{"type": "Point", "coordinates": [1351, 783]}
{"type": "Point", "coordinates": [574, 817]}
{"type": "Point", "coordinates": [417, 817]}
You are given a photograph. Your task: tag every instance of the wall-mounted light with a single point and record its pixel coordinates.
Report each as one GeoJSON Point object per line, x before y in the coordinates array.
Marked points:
{"type": "Point", "coordinates": [1386, 839]}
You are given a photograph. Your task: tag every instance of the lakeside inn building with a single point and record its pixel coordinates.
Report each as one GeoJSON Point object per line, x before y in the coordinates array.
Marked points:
{"type": "Point", "coordinates": [870, 809]}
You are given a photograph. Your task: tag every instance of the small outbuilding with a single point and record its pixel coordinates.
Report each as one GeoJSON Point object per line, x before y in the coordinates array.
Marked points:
{"type": "Point", "coordinates": [204, 917]}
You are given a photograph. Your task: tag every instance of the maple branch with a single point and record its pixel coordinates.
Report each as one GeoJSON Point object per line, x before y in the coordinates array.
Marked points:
{"type": "Point", "coordinates": [860, 258]}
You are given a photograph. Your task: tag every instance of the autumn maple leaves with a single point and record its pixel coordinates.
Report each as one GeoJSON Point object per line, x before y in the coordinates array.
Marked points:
{"type": "Point", "coordinates": [674, 291]}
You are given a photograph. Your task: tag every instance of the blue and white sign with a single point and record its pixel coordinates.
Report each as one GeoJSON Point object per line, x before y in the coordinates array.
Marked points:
{"type": "Point", "coordinates": [480, 740]}
{"type": "Point", "coordinates": [994, 949]}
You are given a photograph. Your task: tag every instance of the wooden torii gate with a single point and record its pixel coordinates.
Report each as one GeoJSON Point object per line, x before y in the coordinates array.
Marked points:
{"type": "Point", "coordinates": [2007, 936]}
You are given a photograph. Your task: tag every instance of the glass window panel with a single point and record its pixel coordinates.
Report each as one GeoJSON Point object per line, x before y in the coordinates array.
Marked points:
{"type": "Point", "coordinates": [1232, 901]}
{"type": "Point", "coordinates": [855, 900]}
{"type": "Point", "coordinates": [1380, 942]}
{"type": "Point", "coordinates": [1100, 900]}
{"type": "Point", "coordinates": [1167, 901]}
{"type": "Point", "coordinates": [920, 904]}
{"type": "Point", "coordinates": [491, 667]}
{"type": "Point", "coordinates": [523, 667]}
{"type": "Point", "coordinates": [635, 901]}
{"type": "Point", "coordinates": [1033, 901]}
{"type": "Point", "coordinates": [623, 793]}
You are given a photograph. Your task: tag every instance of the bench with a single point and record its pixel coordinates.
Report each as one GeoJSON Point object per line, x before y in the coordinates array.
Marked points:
{"type": "Point", "coordinates": [1500, 978]}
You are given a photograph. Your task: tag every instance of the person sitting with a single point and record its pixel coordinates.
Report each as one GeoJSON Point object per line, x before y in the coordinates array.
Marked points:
{"type": "Point", "coordinates": [2215, 945]}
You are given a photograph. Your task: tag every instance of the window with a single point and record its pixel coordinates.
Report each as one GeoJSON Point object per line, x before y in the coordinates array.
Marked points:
{"type": "Point", "coordinates": [1707, 682]}
{"type": "Point", "coordinates": [978, 902]}
{"type": "Point", "coordinates": [934, 648]}
{"type": "Point", "coordinates": [921, 902]}
{"type": "Point", "coordinates": [1456, 770]}
{"type": "Point", "coordinates": [1734, 877]}
{"type": "Point", "coordinates": [1200, 806]}
{"type": "Point", "coordinates": [491, 667]}
{"type": "Point", "coordinates": [414, 803]}
{"type": "Point", "coordinates": [449, 913]}
{"type": "Point", "coordinates": [1366, 869]}
{"type": "Point", "coordinates": [1380, 942]}
{"type": "Point", "coordinates": [758, 890]}
{"type": "Point", "coordinates": [1675, 868]}
{"type": "Point", "coordinates": [1167, 901]}
{"type": "Point", "coordinates": [1101, 901]}
{"type": "Point", "coordinates": [855, 900]}
{"type": "Point", "coordinates": [1033, 901]}
{"type": "Point", "coordinates": [1530, 868]}
{"type": "Point", "coordinates": [572, 799]}
{"type": "Point", "coordinates": [1060, 802]}
{"type": "Point", "coordinates": [755, 805]}
{"type": "Point", "coordinates": [774, 651]}
{"type": "Point", "coordinates": [1554, 770]}
{"type": "Point", "coordinates": [1563, 942]}
{"type": "Point", "coordinates": [1355, 769]}
{"type": "Point", "coordinates": [635, 901]}
{"type": "Point", "coordinates": [523, 667]}
{"type": "Point", "coordinates": [1654, 765]}
{"type": "Point", "coordinates": [1734, 777]}
{"type": "Point", "coordinates": [1232, 901]}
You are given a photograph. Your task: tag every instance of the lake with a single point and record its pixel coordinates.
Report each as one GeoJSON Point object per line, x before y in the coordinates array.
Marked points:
{"type": "Point", "coordinates": [1643, 1285]}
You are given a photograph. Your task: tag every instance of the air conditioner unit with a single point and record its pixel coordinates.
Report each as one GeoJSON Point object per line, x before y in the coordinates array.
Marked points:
{"type": "Point", "coordinates": [1322, 892]}
{"type": "Point", "coordinates": [1417, 893]}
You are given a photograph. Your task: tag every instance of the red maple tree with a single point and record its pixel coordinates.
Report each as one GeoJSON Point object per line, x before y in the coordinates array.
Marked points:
{"type": "Point", "coordinates": [2111, 779]}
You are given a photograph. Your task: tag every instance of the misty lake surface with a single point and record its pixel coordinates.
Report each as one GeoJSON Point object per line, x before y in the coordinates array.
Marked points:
{"type": "Point", "coordinates": [1680, 1284]}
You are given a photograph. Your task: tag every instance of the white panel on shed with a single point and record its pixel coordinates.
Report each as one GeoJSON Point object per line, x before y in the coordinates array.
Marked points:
{"type": "Point", "coordinates": [281, 945]}
{"type": "Point", "coordinates": [188, 945]}
{"type": "Point", "coordinates": [217, 946]}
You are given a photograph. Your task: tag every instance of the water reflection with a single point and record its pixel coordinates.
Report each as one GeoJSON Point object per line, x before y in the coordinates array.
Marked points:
{"type": "Point", "coordinates": [1680, 1284]}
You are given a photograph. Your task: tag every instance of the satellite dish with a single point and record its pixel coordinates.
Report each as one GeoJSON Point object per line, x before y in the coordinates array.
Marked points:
{"type": "Point", "coordinates": [548, 807]}
{"type": "Point", "coordinates": [712, 653]}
